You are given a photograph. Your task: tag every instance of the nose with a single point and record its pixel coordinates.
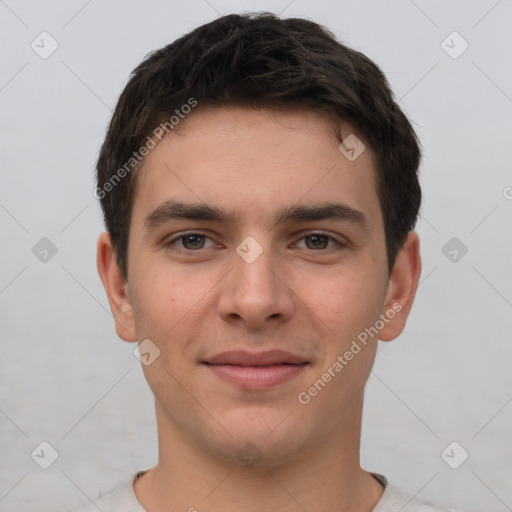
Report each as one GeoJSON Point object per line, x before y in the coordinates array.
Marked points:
{"type": "Point", "coordinates": [256, 293]}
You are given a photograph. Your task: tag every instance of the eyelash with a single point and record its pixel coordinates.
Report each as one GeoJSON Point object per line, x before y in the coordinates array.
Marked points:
{"type": "Point", "coordinates": [181, 236]}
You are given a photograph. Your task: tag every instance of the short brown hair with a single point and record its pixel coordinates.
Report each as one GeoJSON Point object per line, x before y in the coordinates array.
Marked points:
{"type": "Point", "coordinates": [260, 60]}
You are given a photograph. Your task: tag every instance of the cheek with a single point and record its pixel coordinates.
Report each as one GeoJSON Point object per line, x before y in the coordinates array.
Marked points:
{"type": "Point", "coordinates": [157, 304]}
{"type": "Point", "coordinates": [347, 302]}
{"type": "Point", "coordinates": [171, 305]}
{"type": "Point", "coordinates": [160, 286]}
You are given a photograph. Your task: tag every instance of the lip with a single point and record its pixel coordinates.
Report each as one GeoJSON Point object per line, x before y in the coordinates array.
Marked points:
{"type": "Point", "coordinates": [244, 358]}
{"type": "Point", "coordinates": [253, 371]}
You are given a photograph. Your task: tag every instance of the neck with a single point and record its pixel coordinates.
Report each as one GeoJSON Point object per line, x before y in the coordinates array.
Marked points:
{"type": "Point", "coordinates": [324, 477]}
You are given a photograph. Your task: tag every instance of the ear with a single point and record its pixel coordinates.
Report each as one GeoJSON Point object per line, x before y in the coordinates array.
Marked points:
{"type": "Point", "coordinates": [402, 286]}
{"type": "Point", "coordinates": [116, 288]}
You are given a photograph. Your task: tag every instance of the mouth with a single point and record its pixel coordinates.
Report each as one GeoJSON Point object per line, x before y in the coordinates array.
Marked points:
{"type": "Point", "coordinates": [251, 371]}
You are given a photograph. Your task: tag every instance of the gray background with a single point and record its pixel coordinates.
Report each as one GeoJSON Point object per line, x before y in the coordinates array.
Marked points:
{"type": "Point", "coordinates": [68, 380]}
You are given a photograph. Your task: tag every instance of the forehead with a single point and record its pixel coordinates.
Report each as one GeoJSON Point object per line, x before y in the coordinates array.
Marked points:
{"type": "Point", "coordinates": [250, 161]}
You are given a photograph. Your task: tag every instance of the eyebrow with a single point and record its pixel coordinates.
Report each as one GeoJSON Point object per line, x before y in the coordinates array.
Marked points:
{"type": "Point", "coordinates": [172, 210]}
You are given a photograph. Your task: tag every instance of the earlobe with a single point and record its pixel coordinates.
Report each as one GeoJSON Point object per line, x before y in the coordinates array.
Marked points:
{"type": "Point", "coordinates": [402, 287]}
{"type": "Point", "coordinates": [116, 288]}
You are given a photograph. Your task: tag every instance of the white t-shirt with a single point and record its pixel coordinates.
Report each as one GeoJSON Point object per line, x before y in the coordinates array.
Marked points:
{"type": "Point", "coordinates": [123, 499]}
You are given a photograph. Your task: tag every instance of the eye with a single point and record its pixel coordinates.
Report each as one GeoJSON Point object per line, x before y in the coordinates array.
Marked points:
{"type": "Point", "coordinates": [320, 241]}
{"type": "Point", "coordinates": [193, 242]}
{"type": "Point", "coordinates": [189, 242]}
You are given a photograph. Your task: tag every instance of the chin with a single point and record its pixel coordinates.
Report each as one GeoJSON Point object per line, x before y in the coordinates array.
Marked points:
{"type": "Point", "coordinates": [260, 438]}
{"type": "Point", "coordinates": [261, 453]}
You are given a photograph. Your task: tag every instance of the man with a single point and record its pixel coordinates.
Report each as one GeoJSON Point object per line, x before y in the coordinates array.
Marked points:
{"type": "Point", "coordinates": [259, 187]}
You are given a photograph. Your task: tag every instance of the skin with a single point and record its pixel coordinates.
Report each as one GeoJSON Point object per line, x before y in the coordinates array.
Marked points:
{"type": "Point", "coordinates": [194, 298]}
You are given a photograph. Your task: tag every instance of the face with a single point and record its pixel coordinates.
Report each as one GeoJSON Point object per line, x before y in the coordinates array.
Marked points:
{"type": "Point", "coordinates": [256, 261]}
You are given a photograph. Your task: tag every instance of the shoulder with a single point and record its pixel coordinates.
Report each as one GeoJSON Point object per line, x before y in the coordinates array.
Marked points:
{"type": "Point", "coordinates": [395, 499]}
{"type": "Point", "coordinates": [121, 499]}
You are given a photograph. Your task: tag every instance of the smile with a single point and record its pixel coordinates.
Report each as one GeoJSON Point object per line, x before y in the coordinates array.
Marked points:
{"type": "Point", "coordinates": [256, 377]}
{"type": "Point", "coordinates": [256, 371]}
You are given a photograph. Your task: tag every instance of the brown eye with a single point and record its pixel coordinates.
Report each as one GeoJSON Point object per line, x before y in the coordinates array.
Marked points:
{"type": "Point", "coordinates": [192, 242]}
{"type": "Point", "coordinates": [317, 241]}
